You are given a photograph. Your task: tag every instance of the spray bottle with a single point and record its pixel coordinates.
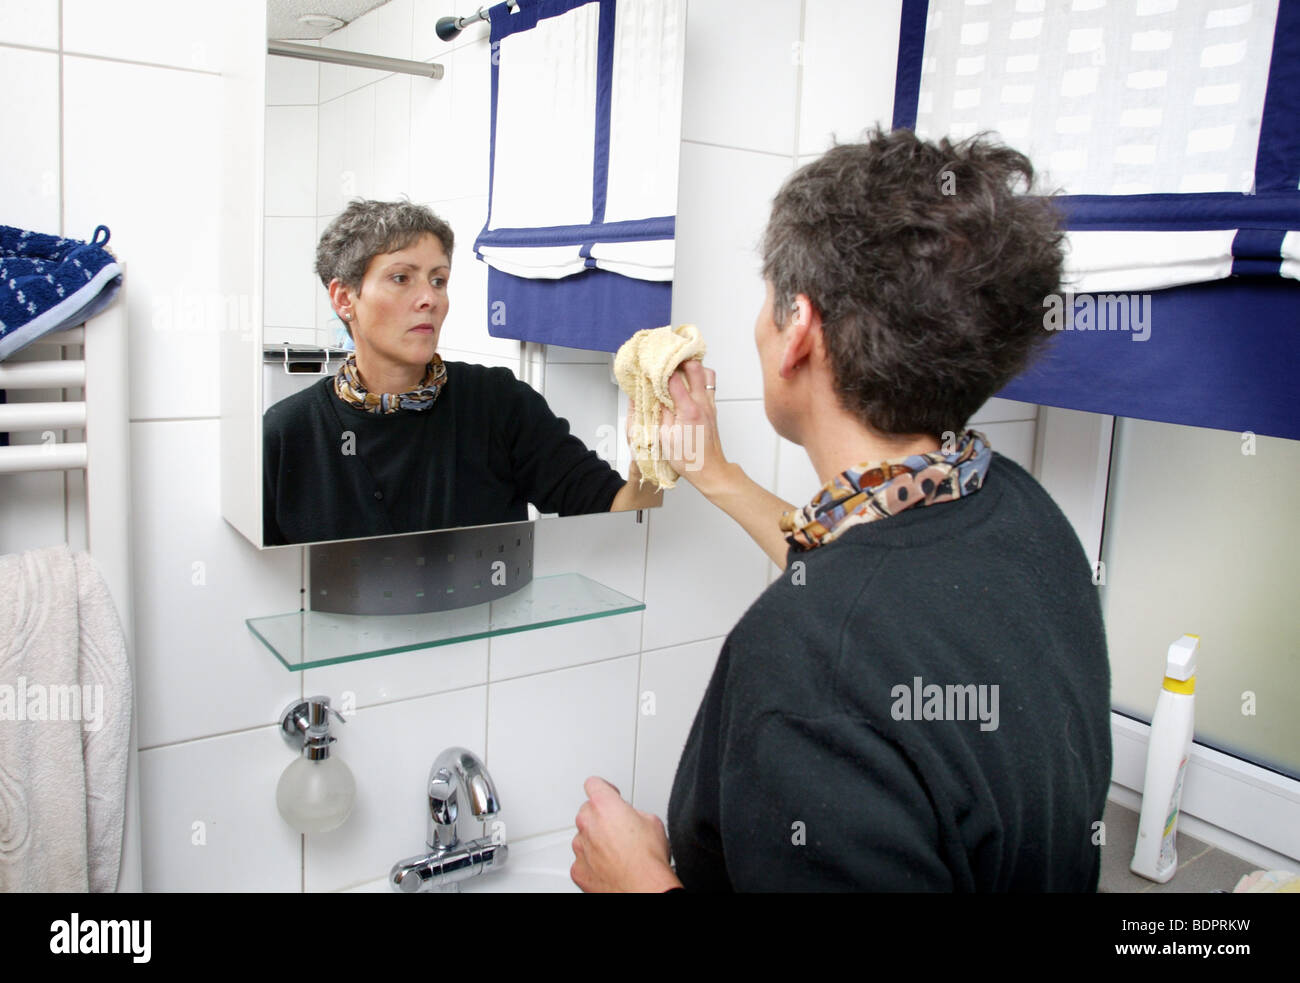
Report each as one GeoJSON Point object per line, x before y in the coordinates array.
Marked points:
{"type": "Point", "coordinates": [1155, 856]}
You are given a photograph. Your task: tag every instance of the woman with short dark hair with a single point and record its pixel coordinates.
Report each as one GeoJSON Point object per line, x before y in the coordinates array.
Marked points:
{"type": "Point", "coordinates": [399, 440]}
{"type": "Point", "coordinates": [921, 702]}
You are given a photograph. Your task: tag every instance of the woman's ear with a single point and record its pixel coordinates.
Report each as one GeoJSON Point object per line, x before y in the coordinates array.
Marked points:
{"type": "Point", "coordinates": [800, 335]}
{"type": "Point", "coordinates": [341, 299]}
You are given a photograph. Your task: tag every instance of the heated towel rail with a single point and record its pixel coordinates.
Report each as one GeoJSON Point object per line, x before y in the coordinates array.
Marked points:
{"type": "Point", "coordinates": [100, 372]}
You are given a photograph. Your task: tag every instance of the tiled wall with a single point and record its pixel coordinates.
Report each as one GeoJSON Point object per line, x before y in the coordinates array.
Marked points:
{"type": "Point", "coordinates": [136, 150]}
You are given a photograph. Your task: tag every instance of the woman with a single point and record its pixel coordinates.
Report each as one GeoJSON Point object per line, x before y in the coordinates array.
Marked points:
{"type": "Point", "coordinates": [399, 440]}
{"type": "Point", "coordinates": [921, 702]}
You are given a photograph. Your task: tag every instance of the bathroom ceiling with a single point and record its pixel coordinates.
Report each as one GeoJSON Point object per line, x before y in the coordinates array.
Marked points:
{"type": "Point", "coordinates": [282, 22]}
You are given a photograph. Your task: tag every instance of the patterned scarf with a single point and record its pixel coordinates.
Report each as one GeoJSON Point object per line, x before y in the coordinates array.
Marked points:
{"type": "Point", "coordinates": [871, 492]}
{"type": "Point", "coordinates": [348, 387]}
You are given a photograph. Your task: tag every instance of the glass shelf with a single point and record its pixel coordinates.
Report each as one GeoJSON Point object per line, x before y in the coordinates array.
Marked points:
{"type": "Point", "coordinates": [310, 639]}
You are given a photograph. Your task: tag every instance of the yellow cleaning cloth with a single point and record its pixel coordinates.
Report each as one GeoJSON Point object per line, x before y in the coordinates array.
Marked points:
{"type": "Point", "coordinates": [643, 366]}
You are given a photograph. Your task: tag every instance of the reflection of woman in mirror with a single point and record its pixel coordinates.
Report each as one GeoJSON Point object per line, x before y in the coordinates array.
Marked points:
{"type": "Point", "coordinates": [399, 440]}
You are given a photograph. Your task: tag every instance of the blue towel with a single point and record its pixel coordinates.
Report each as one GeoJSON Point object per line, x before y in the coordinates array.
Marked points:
{"type": "Point", "coordinates": [48, 283]}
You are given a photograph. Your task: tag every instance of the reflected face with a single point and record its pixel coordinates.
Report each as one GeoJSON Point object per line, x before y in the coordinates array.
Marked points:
{"type": "Point", "coordinates": [398, 314]}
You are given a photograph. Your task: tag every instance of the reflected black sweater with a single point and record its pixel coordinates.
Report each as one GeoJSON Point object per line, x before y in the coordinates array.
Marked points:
{"type": "Point", "coordinates": [807, 769]}
{"type": "Point", "coordinates": [488, 446]}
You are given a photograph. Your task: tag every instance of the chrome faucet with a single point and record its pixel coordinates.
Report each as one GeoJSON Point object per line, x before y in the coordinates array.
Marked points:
{"type": "Point", "coordinates": [461, 794]}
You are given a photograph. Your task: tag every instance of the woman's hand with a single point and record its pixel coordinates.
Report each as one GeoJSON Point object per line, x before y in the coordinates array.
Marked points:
{"type": "Point", "coordinates": [619, 848]}
{"type": "Point", "coordinates": [688, 436]}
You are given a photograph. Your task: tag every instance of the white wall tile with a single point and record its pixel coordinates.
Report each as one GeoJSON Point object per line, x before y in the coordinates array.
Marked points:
{"type": "Point", "coordinates": [402, 675]}
{"type": "Point", "coordinates": [358, 138]}
{"type": "Point", "coordinates": [159, 201]}
{"type": "Point", "coordinates": [725, 200]}
{"type": "Point", "coordinates": [468, 140]}
{"type": "Point", "coordinates": [25, 22]}
{"type": "Point", "coordinates": [332, 186]}
{"type": "Point", "coordinates": [208, 817]}
{"type": "Point", "coordinates": [199, 671]}
{"type": "Point", "coordinates": [291, 160]}
{"type": "Point", "coordinates": [609, 548]}
{"type": "Point", "coordinates": [338, 80]}
{"type": "Point", "coordinates": [702, 569]}
{"type": "Point", "coordinates": [1004, 410]}
{"type": "Point", "coordinates": [479, 358]}
{"type": "Point", "coordinates": [545, 649]}
{"type": "Point", "coordinates": [434, 145]}
{"type": "Point", "coordinates": [161, 32]}
{"type": "Point", "coordinates": [425, 43]}
{"type": "Point", "coordinates": [33, 515]}
{"type": "Point", "coordinates": [548, 733]}
{"type": "Point", "coordinates": [740, 74]}
{"type": "Point", "coordinates": [675, 679]}
{"type": "Point", "coordinates": [291, 81]}
{"type": "Point", "coordinates": [393, 22]}
{"type": "Point", "coordinates": [847, 87]}
{"type": "Point", "coordinates": [392, 161]}
{"type": "Point", "coordinates": [364, 37]}
{"type": "Point", "coordinates": [796, 478]}
{"type": "Point", "coordinates": [584, 396]}
{"type": "Point", "coordinates": [559, 355]}
{"type": "Point", "coordinates": [1013, 440]}
{"type": "Point", "coordinates": [291, 283]}
{"type": "Point", "coordinates": [390, 749]}
{"type": "Point", "coordinates": [30, 82]}
{"type": "Point", "coordinates": [333, 79]}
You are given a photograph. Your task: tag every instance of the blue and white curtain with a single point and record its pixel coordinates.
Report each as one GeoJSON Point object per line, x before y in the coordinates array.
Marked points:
{"type": "Point", "coordinates": [586, 128]}
{"type": "Point", "coordinates": [1173, 127]}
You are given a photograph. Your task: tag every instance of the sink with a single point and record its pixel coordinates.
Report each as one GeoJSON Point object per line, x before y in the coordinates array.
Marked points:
{"type": "Point", "coordinates": [536, 865]}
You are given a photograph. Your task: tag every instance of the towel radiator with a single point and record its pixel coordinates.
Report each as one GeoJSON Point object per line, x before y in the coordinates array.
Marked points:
{"type": "Point", "coordinates": [102, 414]}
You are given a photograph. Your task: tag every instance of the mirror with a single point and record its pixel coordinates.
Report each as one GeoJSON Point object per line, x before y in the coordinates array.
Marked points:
{"type": "Point", "coordinates": [335, 133]}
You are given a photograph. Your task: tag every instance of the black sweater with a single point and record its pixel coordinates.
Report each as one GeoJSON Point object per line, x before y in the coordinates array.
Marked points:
{"type": "Point", "coordinates": [487, 447]}
{"type": "Point", "coordinates": [798, 774]}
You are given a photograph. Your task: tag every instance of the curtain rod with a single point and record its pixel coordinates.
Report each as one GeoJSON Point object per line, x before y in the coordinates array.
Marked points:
{"type": "Point", "coordinates": [356, 59]}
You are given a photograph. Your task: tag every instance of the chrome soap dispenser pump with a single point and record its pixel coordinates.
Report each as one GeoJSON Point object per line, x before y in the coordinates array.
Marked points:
{"type": "Point", "coordinates": [316, 792]}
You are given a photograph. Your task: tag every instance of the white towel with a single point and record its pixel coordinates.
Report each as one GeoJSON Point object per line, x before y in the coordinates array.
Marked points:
{"type": "Point", "coordinates": [65, 720]}
{"type": "Point", "coordinates": [547, 171]}
{"type": "Point", "coordinates": [643, 366]}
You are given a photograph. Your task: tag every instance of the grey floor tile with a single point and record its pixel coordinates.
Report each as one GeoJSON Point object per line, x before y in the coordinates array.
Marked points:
{"type": "Point", "coordinates": [1117, 853]}
{"type": "Point", "coordinates": [1212, 871]}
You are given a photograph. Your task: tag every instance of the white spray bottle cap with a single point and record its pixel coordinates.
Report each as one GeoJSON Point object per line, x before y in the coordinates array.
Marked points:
{"type": "Point", "coordinates": [1181, 663]}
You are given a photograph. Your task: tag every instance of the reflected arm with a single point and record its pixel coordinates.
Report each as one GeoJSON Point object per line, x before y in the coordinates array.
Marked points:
{"type": "Point", "coordinates": [633, 496]}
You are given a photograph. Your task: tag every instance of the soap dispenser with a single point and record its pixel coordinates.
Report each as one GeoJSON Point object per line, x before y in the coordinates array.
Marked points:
{"type": "Point", "coordinates": [316, 792]}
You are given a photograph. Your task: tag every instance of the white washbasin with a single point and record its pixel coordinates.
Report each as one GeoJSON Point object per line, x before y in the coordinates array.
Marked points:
{"type": "Point", "coordinates": [536, 865]}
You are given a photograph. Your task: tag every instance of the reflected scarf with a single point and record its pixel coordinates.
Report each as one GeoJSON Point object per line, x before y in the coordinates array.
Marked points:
{"type": "Point", "coordinates": [348, 387]}
{"type": "Point", "coordinates": [871, 492]}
